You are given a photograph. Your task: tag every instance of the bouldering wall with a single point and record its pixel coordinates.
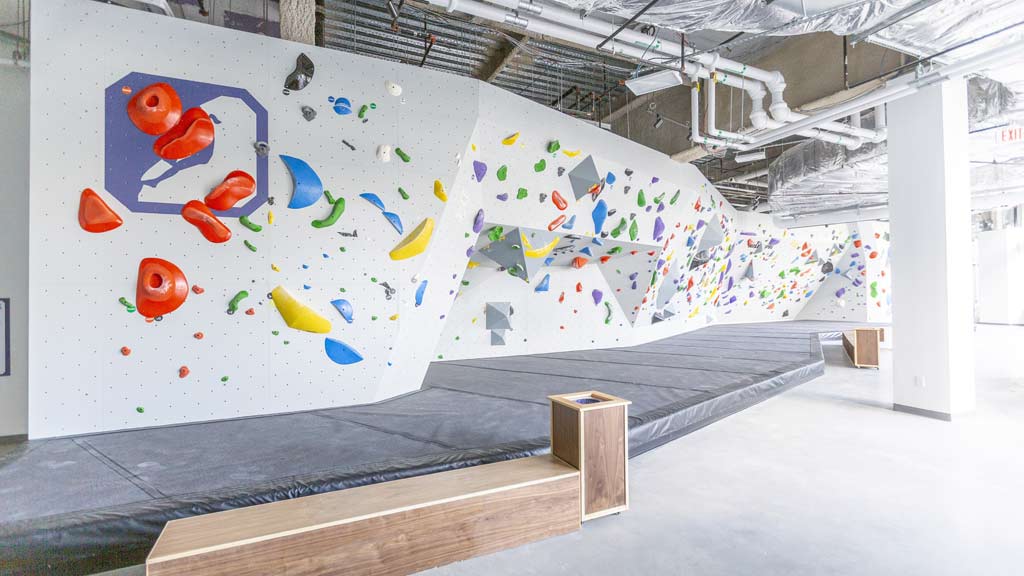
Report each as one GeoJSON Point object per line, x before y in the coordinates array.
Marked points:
{"type": "Point", "coordinates": [98, 362]}
{"type": "Point", "coordinates": [230, 225]}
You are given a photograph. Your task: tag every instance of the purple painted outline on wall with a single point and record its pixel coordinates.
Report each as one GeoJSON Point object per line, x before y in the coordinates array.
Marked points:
{"type": "Point", "coordinates": [7, 336]}
{"type": "Point", "coordinates": [129, 151]}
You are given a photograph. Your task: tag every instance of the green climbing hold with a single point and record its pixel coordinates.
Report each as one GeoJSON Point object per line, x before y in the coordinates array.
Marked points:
{"type": "Point", "coordinates": [337, 209]}
{"type": "Point", "coordinates": [373, 317]}
{"type": "Point", "coordinates": [553, 146]}
{"type": "Point", "coordinates": [465, 282]}
{"type": "Point", "coordinates": [401, 154]}
{"type": "Point", "coordinates": [634, 231]}
{"type": "Point", "coordinates": [403, 193]}
{"type": "Point", "coordinates": [233, 304]}
{"type": "Point", "coordinates": [619, 229]}
{"type": "Point", "coordinates": [329, 196]}
{"type": "Point", "coordinates": [764, 293]}
{"type": "Point", "coordinates": [540, 165]}
{"type": "Point", "coordinates": [782, 274]}
{"type": "Point", "coordinates": [362, 111]}
{"type": "Point", "coordinates": [675, 197]}
{"type": "Point", "coordinates": [874, 289]}
{"type": "Point", "coordinates": [127, 305]}
{"type": "Point", "coordinates": [615, 250]}
{"type": "Point", "coordinates": [140, 409]}
{"type": "Point", "coordinates": [658, 199]}
{"type": "Point", "coordinates": [373, 105]}
{"type": "Point", "coordinates": [608, 317]}
{"type": "Point", "coordinates": [274, 332]}
{"type": "Point", "coordinates": [223, 378]}
{"type": "Point", "coordinates": [249, 245]}
{"type": "Point", "coordinates": [502, 173]}
{"type": "Point", "coordinates": [495, 233]}
{"type": "Point", "coordinates": [244, 221]}
{"type": "Point", "coordinates": [373, 279]}
{"type": "Point", "coordinates": [641, 201]}
{"type": "Point", "coordinates": [521, 194]}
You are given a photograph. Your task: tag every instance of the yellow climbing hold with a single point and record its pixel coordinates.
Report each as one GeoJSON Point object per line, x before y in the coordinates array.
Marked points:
{"type": "Point", "coordinates": [571, 153]}
{"type": "Point", "coordinates": [439, 191]}
{"type": "Point", "coordinates": [415, 243]}
{"type": "Point", "coordinates": [275, 268]}
{"type": "Point", "coordinates": [393, 317]}
{"type": "Point", "coordinates": [270, 217]}
{"type": "Point", "coordinates": [474, 147]}
{"type": "Point", "coordinates": [472, 264]}
{"type": "Point", "coordinates": [541, 252]}
{"type": "Point", "coordinates": [695, 312]}
{"type": "Point", "coordinates": [296, 314]}
{"type": "Point", "coordinates": [511, 139]}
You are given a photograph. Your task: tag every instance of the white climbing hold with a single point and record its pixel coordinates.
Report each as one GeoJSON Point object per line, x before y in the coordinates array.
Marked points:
{"type": "Point", "coordinates": [392, 88]}
{"type": "Point", "coordinates": [384, 153]}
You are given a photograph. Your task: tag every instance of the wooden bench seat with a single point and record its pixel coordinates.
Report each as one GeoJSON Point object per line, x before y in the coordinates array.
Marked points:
{"type": "Point", "coordinates": [862, 345]}
{"type": "Point", "coordinates": [396, 527]}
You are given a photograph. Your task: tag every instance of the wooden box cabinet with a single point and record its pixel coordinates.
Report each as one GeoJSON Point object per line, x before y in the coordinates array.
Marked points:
{"type": "Point", "coordinates": [589, 431]}
{"type": "Point", "coordinates": [862, 346]}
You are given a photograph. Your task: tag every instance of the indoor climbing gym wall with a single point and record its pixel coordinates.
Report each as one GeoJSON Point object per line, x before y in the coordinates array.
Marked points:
{"type": "Point", "coordinates": [241, 225]}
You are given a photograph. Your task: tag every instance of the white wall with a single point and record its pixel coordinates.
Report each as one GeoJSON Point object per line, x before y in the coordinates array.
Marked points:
{"type": "Point", "coordinates": [14, 166]}
{"type": "Point", "coordinates": [1000, 276]}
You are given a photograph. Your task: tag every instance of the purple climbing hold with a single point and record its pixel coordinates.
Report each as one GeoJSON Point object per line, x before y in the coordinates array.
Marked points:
{"type": "Point", "coordinates": [598, 295]}
{"type": "Point", "coordinates": [478, 221]}
{"type": "Point", "coordinates": [659, 228]}
{"type": "Point", "coordinates": [700, 224]}
{"type": "Point", "coordinates": [840, 292]}
{"type": "Point", "coordinates": [469, 252]}
{"type": "Point", "coordinates": [480, 170]}
{"type": "Point", "coordinates": [655, 180]}
{"type": "Point", "coordinates": [502, 197]}
{"type": "Point", "coordinates": [633, 275]}
{"type": "Point", "coordinates": [773, 241]}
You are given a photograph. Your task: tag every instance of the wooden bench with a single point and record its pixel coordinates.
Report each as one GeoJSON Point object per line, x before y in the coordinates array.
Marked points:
{"type": "Point", "coordinates": [408, 525]}
{"type": "Point", "coordinates": [397, 527]}
{"type": "Point", "coordinates": [862, 345]}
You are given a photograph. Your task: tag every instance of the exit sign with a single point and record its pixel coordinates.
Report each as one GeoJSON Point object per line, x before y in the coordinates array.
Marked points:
{"type": "Point", "coordinates": [1010, 134]}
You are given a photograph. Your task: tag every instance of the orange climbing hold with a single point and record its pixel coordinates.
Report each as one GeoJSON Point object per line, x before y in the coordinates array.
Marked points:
{"type": "Point", "coordinates": [235, 187]}
{"type": "Point", "coordinates": [94, 215]}
{"type": "Point", "coordinates": [155, 108]}
{"type": "Point", "coordinates": [579, 262]}
{"type": "Point", "coordinates": [190, 135]}
{"type": "Point", "coordinates": [556, 223]}
{"type": "Point", "coordinates": [161, 288]}
{"type": "Point", "coordinates": [557, 199]}
{"type": "Point", "coordinates": [198, 215]}
{"type": "Point", "coordinates": [183, 372]}
{"type": "Point", "coordinates": [125, 350]}
{"type": "Point", "coordinates": [198, 336]}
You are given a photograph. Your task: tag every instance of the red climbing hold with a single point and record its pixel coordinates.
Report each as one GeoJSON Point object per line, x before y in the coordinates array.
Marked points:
{"type": "Point", "coordinates": [556, 223]}
{"type": "Point", "coordinates": [198, 336]}
{"type": "Point", "coordinates": [605, 259]}
{"type": "Point", "coordinates": [236, 186]}
{"type": "Point", "coordinates": [183, 372]}
{"type": "Point", "coordinates": [579, 287]}
{"type": "Point", "coordinates": [579, 262]}
{"type": "Point", "coordinates": [155, 108]}
{"type": "Point", "coordinates": [94, 215]}
{"type": "Point", "coordinates": [873, 255]}
{"type": "Point", "coordinates": [161, 288]}
{"type": "Point", "coordinates": [197, 289]}
{"type": "Point", "coordinates": [250, 312]}
{"type": "Point", "coordinates": [561, 297]}
{"type": "Point", "coordinates": [190, 135]}
{"type": "Point", "coordinates": [198, 215]}
{"type": "Point", "coordinates": [557, 199]}
{"type": "Point", "coordinates": [857, 243]}
{"type": "Point", "coordinates": [125, 350]}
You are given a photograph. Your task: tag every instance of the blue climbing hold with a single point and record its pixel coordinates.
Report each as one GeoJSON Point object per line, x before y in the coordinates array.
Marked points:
{"type": "Point", "coordinates": [373, 199]}
{"type": "Point", "coordinates": [308, 187]}
{"type": "Point", "coordinates": [544, 284]}
{"type": "Point", "coordinates": [570, 224]}
{"type": "Point", "coordinates": [342, 106]}
{"type": "Point", "coordinates": [344, 307]}
{"type": "Point", "coordinates": [340, 352]}
{"type": "Point", "coordinates": [609, 179]}
{"type": "Point", "coordinates": [395, 221]}
{"type": "Point", "coordinates": [419, 292]}
{"type": "Point", "coordinates": [586, 250]}
{"type": "Point", "coordinates": [600, 214]}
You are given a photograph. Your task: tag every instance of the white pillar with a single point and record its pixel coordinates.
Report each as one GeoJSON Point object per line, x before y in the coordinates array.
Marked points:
{"type": "Point", "coordinates": [930, 220]}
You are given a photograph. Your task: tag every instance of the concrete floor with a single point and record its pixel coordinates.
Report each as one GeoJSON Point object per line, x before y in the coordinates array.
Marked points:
{"type": "Point", "coordinates": [823, 479]}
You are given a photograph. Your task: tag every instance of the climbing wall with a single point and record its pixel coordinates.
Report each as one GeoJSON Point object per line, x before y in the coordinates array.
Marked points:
{"type": "Point", "coordinates": [272, 227]}
{"type": "Point", "coordinates": [99, 363]}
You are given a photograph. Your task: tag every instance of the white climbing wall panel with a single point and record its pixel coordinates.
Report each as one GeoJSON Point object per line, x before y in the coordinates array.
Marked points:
{"type": "Point", "coordinates": [86, 65]}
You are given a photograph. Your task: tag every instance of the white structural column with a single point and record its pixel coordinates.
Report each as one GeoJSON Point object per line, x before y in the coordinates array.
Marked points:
{"type": "Point", "coordinates": [930, 221]}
